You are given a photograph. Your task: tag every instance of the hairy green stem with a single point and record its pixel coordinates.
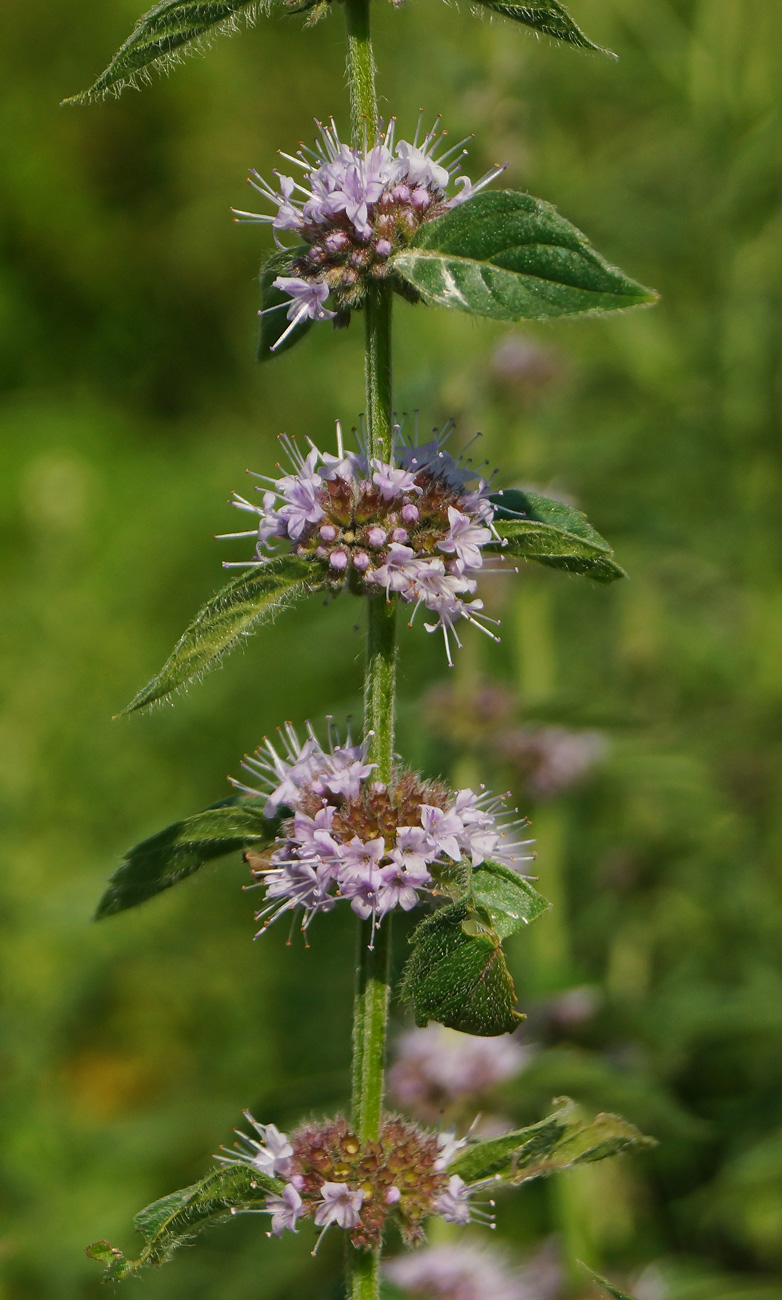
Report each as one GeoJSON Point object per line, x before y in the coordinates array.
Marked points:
{"type": "Point", "coordinates": [377, 370]}
{"type": "Point", "coordinates": [370, 1022]}
{"type": "Point", "coordinates": [360, 72]}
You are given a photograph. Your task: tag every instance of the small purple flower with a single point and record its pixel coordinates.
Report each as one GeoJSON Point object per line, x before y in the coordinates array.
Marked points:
{"type": "Point", "coordinates": [454, 1204]}
{"type": "Point", "coordinates": [307, 299]}
{"type": "Point", "coordinates": [270, 1156]}
{"type": "Point", "coordinates": [398, 888]}
{"type": "Point", "coordinates": [465, 538]}
{"type": "Point", "coordinates": [339, 1205]}
{"type": "Point", "coordinates": [285, 1210]}
{"type": "Point", "coordinates": [400, 570]}
{"type": "Point", "coordinates": [393, 482]}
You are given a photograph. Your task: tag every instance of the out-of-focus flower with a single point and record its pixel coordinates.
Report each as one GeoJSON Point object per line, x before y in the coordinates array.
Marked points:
{"type": "Point", "coordinates": [377, 845]}
{"type": "Point", "coordinates": [436, 1068]}
{"type": "Point", "coordinates": [552, 759]}
{"type": "Point", "coordinates": [549, 759]}
{"type": "Point", "coordinates": [523, 368]}
{"type": "Point", "coordinates": [463, 1271]}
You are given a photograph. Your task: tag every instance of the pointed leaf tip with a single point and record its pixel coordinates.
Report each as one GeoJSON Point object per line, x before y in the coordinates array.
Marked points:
{"type": "Point", "coordinates": [172, 1221]}
{"type": "Point", "coordinates": [563, 1139]}
{"type": "Point", "coordinates": [509, 256]}
{"type": "Point", "coordinates": [549, 17]}
{"type": "Point", "coordinates": [175, 853]}
{"type": "Point", "coordinates": [162, 36]}
{"type": "Point", "coordinates": [237, 610]}
{"type": "Point", "coordinates": [457, 974]}
{"type": "Point", "coordinates": [553, 533]}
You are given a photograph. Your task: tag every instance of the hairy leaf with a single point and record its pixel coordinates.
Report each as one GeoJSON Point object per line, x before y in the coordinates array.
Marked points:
{"type": "Point", "coordinates": [508, 898]}
{"type": "Point", "coordinates": [513, 257]}
{"type": "Point", "coordinates": [176, 1219]}
{"type": "Point", "coordinates": [248, 601]}
{"type": "Point", "coordinates": [552, 533]}
{"type": "Point", "coordinates": [276, 322]}
{"type": "Point", "coordinates": [171, 29]}
{"type": "Point", "coordinates": [563, 1139]}
{"type": "Point", "coordinates": [548, 16]}
{"type": "Point", "coordinates": [173, 854]}
{"type": "Point", "coordinates": [456, 974]}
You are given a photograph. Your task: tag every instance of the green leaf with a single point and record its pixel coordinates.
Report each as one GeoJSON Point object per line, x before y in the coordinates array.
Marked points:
{"type": "Point", "coordinates": [550, 17]}
{"type": "Point", "coordinates": [173, 854]}
{"type": "Point", "coordinates": [176, 1219]}
{"type": "Point", "coordinates": [276, 322]}
{"type": "Point", "coordinates": [552, 533]}
{"type": "Point", "coordinates": [458, 975]}
{"type": "Point", "coordinates": [605, 1284]}
{"type": "Point", "coordinates": [512, 257]}
{"type": "Point", "coordinates": [508, 898]}
{"type": "Point", "coordinates": [560, 1141]}
{"type": "Point", "coordinates": [248, 601]}
{"type": "Point", "coordinates": [161, 37]}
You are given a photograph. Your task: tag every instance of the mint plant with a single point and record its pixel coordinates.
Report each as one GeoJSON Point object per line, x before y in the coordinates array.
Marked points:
{"type": "Point", "coordinates": [402, 525]}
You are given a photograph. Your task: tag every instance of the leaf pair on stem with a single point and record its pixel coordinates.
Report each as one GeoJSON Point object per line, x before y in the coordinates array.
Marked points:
{"type": "Point", "coordinates": [174, 28]}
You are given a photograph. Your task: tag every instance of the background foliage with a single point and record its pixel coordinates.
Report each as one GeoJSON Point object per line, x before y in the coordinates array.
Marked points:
{"type": "Point", "coordinates": [131, 405]}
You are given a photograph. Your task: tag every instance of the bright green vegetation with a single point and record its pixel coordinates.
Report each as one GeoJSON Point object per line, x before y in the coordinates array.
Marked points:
{"type": "Point", "coordinates": [131, 406]}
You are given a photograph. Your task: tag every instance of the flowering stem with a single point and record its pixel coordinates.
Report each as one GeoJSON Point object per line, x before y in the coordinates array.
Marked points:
{"type": "Point", "coordinates": [370, 1021]}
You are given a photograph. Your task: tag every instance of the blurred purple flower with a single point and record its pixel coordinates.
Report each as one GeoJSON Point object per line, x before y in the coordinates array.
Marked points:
{"type": "Point", "coordinates": [437, 1067]}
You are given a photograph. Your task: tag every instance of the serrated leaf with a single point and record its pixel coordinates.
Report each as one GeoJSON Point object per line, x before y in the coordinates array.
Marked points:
{"type": "Point", "coordinates": [173, 854]}
{"type": "Point", "coordinates": [552, 533]}
{"type": "Point", "coordinates": [605, 1284]}
{"type": "Point", "coordinates": [550, 17]}
{"type": "Point", "coordinates": [242, 606]}
{"type": "Point", "coordinates": [512, 257]}
{"type": "Point", "coordinates": [171, 29]}
{"type": "Point", "coordinates": [562, 1140]}
{"type": "Point", "coordinates": [274, 321]}
{"type": "Point", "coordinates": [176, 1219]}
{"type": "Point", "coordinates": [458, 978]}
{"type": "Point", "coordinates": [509, 899]}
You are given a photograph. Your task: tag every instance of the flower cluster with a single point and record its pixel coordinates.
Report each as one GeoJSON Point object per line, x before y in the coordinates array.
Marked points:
{"type": "Point", "coordinates": [437, 1067]}
{"type": "Point", "coordinates": [379, 845]}
{"type": "Point", "coordinates": [415, 525]}
{"type": "Point", "coordinates": [328, 1174]}
{"type": "Point", "coordinates": [354, 208]}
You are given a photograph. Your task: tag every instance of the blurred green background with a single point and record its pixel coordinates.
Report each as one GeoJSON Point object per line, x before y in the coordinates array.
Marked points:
{"type": "Point", "coordinates": [130, 408]}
